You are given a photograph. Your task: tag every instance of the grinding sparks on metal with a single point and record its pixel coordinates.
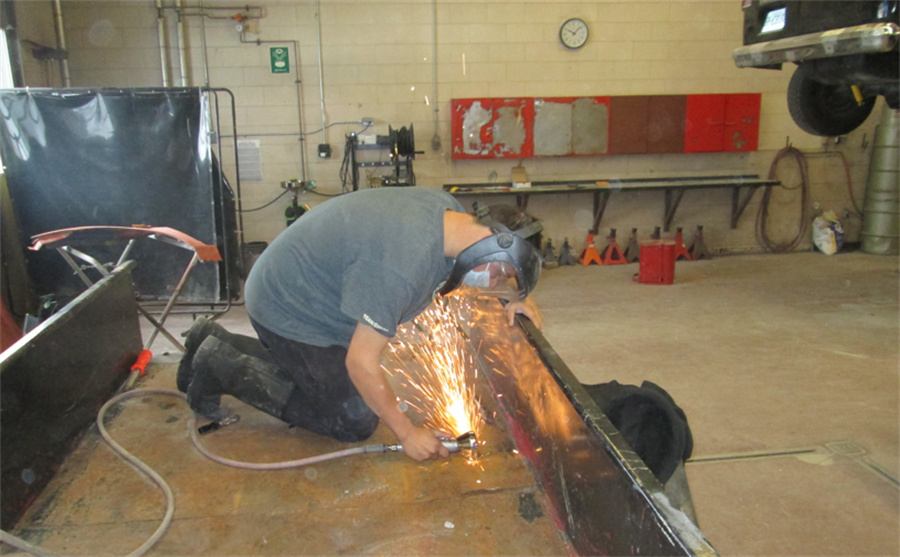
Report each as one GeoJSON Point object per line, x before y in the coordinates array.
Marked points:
{"type": "Point", "coordinates": [442, 384]}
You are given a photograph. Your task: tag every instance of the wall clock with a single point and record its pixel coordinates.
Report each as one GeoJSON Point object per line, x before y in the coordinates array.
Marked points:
{"type": "Point", "coordinates": [573, 33]}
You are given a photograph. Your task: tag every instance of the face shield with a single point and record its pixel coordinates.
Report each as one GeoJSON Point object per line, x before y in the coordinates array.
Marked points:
{"type": "Point", "coordinates": [497, 279]}
{"type": "Point", "coordinates": [490, 275]}
{"type": "Point", "coordinates": [498, 259]}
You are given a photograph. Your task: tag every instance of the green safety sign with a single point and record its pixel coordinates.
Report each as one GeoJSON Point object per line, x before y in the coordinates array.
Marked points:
{"type": "Point", "coordinates": [278, 55]}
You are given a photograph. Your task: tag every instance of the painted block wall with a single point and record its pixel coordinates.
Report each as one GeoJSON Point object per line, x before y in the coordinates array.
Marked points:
{"type": "Point", "coordinates": [378, 61]}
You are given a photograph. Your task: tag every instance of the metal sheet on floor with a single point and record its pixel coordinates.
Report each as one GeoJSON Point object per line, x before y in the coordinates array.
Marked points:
{"type": "Point", "coordinates": [552, 477]}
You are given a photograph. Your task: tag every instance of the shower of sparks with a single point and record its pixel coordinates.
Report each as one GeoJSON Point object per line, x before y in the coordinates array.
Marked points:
{"type": "Point", "coordinates": [443, 388]}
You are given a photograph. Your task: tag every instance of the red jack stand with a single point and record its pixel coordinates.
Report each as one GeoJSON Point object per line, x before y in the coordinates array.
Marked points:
{"type": "Point", "coordinates": [590, 255]}
{"type": "Point", "coordinates": [612, 253]}
{"type": "Point", "coordinates": [566, 256]}
{"type": "Point", "coordinates": [680, 250]}
{"type": "Point", "coordinates": [698, 250]}
{"type": "Point", "coordinates": [633, 249]}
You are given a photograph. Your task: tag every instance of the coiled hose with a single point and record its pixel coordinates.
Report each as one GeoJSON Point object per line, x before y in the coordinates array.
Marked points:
{"type": "Point", "coordinates": [762, 216]}
{"type": "Point", "coordinates": [19, 543]}
{"type": "Point", "coordinates": [403, 141]}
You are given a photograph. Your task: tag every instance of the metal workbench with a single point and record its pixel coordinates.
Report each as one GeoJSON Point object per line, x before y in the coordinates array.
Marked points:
{"type": "Point", "coordinates": [742, 186]}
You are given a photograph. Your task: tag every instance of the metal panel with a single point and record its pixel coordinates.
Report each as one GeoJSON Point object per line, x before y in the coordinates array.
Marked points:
{"type": "Point", "coordinates": [742, 122]}
{"type": "Point", "coordinates": [590, 126]}
{"type": "Point", "coordinates": [552, 128]}
{"type": "Point", "coordinates": [492, 128]}
{"type": "Point", "coordinates": [717, 123]}
{"type": "Point", "coordinates": [665, 124]}
{"type": "Point", "coordinates": [571, 126]}
{"type": "Point", "coordinates": [705, 121]}
{"type": "Point", "coordinates": [55, 379]}
{"type": "Point", "coordinates": [602, 495]}
{"type": "Point", "coordinates": [628, 125]}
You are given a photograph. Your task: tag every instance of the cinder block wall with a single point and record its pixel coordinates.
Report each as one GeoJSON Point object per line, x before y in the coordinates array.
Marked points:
{"type": "Point", "coordinates": [377, 61]}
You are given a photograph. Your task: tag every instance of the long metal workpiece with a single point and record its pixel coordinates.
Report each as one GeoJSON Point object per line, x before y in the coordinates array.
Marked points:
{"type": "Point", "coordinates": [602, 494]}
{"type": "Point", "coordinates": [54, 380]}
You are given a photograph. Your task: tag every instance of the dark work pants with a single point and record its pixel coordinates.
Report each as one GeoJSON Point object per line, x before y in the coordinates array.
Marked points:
{"type": "Point", "coordinates": [324, 399]}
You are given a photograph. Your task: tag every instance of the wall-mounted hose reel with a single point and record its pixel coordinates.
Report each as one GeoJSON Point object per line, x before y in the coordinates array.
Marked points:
{"type": "Point", "coordinates": [401, 147]}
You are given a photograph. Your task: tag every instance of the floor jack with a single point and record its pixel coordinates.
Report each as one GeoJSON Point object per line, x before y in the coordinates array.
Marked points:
{"type": "Point", "coordinates": [590, 254]}
{"type": "Point", "coordinates": [612, 253]}
{"type": "Point", "coordinates": [698, 250]}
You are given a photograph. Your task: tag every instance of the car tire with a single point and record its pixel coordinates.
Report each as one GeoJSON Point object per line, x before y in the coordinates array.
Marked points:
{"type": "Point", "coordinates": [823, 109]}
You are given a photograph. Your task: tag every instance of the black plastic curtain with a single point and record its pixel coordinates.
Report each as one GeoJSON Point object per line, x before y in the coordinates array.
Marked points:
{"type": "Point", "coordinates": [77, 157]}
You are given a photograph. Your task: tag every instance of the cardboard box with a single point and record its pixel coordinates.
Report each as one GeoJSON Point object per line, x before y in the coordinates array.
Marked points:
{"type": "Point", "coordinates": [520, 178]}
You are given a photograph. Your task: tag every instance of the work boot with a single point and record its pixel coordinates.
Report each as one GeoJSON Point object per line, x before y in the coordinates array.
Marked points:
{"type": "Point", "coordinates": [199, 331]}
{"type": "Point", "coordinates": [220, 369]}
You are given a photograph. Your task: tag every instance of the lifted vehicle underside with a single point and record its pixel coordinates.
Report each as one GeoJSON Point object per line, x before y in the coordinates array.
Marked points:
{"type": "Point", "coordinates": [846, 53]}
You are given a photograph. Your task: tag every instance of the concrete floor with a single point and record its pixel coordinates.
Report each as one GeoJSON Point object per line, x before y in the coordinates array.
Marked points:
{"type": "Point", "coordinates": [786, 365]}
{"type": "Point", "coordinates": [766, 354]}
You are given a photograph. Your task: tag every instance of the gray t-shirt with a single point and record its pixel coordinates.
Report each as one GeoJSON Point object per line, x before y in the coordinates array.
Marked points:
{"type": "Point", "coordinates": [373, 256]}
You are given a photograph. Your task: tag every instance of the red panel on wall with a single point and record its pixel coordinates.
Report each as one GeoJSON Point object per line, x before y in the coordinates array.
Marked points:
{"type": "Point", "coordinates": [505, 127]}
{"type": "Point", "coordinates": [742, 122]}
{"type": "Point", "coordinates": [717, 123]}
{"type": "Point", "coordinates": [704, 124]}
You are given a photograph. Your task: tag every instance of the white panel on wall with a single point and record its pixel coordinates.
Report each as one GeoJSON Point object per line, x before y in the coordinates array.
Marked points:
{"type": "Point", "coordinates": [250, 160]}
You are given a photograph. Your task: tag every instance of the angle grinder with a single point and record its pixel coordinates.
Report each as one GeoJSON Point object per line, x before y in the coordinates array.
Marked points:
{"type": "Point", "coordinates": [465, 442]}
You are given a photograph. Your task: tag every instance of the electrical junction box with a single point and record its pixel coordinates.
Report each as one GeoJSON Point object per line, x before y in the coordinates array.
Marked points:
{"type": "Point", "coordinates": [368, 139]}
{"type": "Point", "coordinates": [324, 151]}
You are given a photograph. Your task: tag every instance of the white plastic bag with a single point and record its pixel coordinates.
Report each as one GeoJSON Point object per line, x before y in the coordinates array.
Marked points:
{"type": "Point", "coordinates": [828, 234]}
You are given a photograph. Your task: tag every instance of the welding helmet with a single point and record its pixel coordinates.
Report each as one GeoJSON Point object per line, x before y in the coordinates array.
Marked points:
{"type": "Point", "coordinates": [503, 246]}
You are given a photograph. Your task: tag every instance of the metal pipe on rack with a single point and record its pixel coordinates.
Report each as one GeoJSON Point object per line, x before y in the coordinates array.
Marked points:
{"type": "Point", "coordinates": [11, 30]}
{"type": "Point", "coordinates": [61, 43]}
{"type": "Point", "coordinates": [300, 112]}
{"type": "Point", "coordinates": [202, 11]}
{"type": "Point", "coordinates": [204, 49]}
{"type": "Point", "coordinates": [321, 82]}
{"type": "Point", "coordinates": [182, 54]}
{"type": "Point", "coordinates": [436, 138]}
{"type": "Point", "coordinates": [163, 45]}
